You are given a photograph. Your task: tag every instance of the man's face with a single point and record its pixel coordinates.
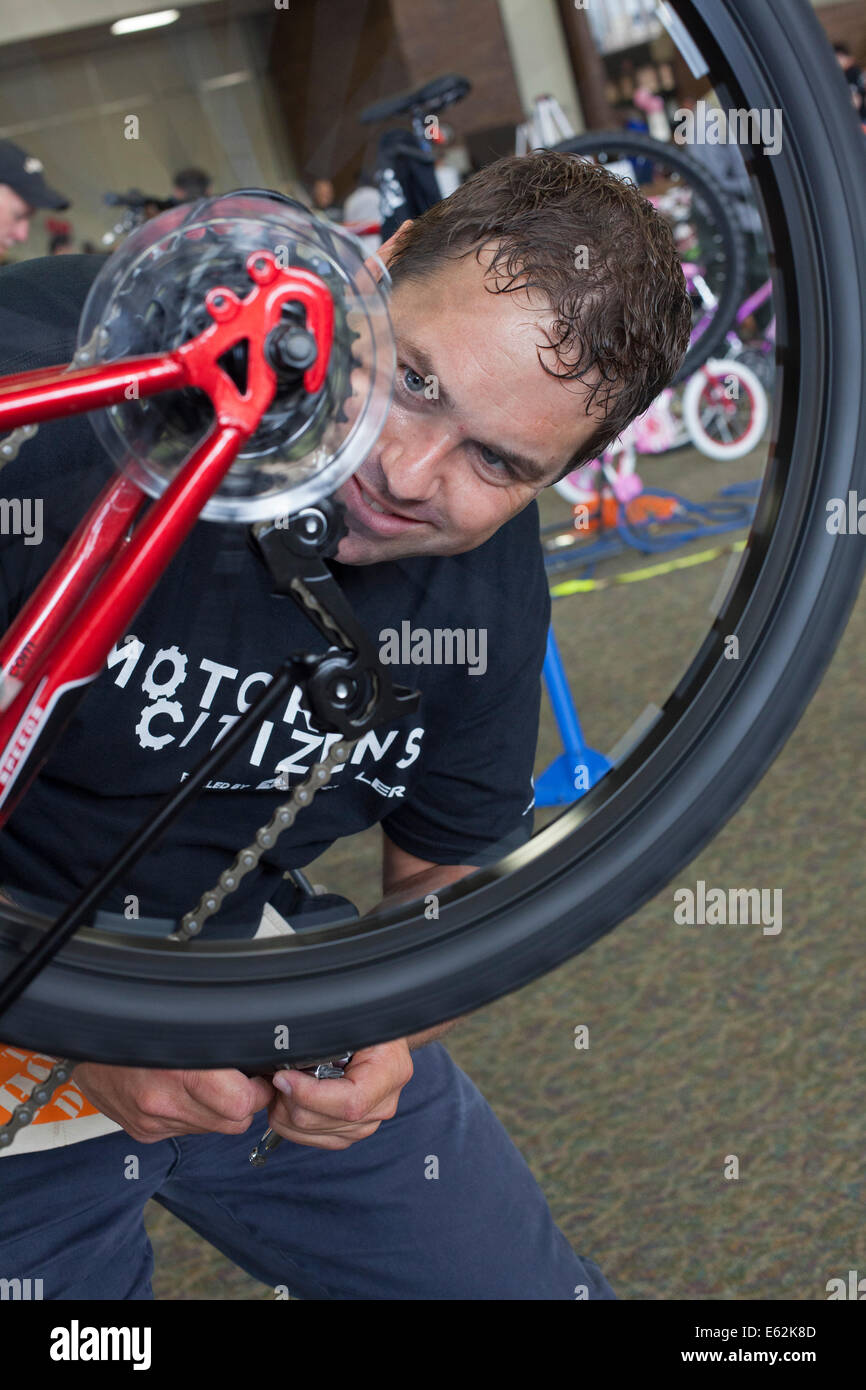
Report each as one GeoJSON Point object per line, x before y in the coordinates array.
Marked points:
{"type": "Point", "coordinates": [15, 217]}
{"type": "Point", "coordinates": [477, 428]}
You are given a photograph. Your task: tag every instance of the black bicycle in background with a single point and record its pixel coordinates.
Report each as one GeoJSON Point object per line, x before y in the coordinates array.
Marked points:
{"type": "Point", "coordinates": [137, 207]}
{"type": "Point", "coordinates": [405, 161]}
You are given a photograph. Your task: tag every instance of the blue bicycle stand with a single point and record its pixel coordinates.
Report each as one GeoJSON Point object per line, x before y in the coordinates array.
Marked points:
{"type": "Point", "coordinates": [577, 769]}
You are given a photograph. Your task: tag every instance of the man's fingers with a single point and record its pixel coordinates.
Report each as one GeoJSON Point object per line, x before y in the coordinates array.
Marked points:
{"type": "Point", "coordinates": [332, 1113]}
{"type": "Point", "coordinates": [331, 1142]}
{"type": "Point", "coordinates": [225, 1096]}
{"type": "Point", "coordinates": [287, 1113]}
{"type": "Point", "coordinates": [333, 1098]}
{"type": "Point", "coordinates": [372, 1078]}
{"type": "Point", "coordinates": [261, 1092]}
{"type": "Point", "coordinates": [368, 1064]}
{"type": "Point", "coordinates": [307, 1127]}
{"type": "Point", "coordinates": [166, 1130]}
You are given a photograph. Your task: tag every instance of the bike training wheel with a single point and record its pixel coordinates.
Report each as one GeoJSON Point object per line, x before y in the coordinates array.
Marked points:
{"type": "Point", "coordinates": [720, 432]}
{"type": "Point", "coordinates": [570, 490]}
{"type": "Point", "coordinates": [729, 251]}
{"type": "Point", "coordinates": [125, 1001]}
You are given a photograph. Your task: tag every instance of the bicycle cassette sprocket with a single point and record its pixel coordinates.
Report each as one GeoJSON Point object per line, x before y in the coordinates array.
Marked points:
{"type": "Point", "coordinates": [150, 298]}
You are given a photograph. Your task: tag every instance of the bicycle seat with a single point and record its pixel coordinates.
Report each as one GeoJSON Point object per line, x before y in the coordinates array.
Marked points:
{"type": "Point", "coordinates": [431, 97]}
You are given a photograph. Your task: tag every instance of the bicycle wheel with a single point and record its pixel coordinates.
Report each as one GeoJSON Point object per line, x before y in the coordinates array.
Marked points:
{"type": "Point", "coordinates": [216, 1004]}
{"type": "Point", "coordinates": [725, 423]}
{"type": "Point", "coordinates": [723, 241]}
{"type": "Point", "coordinates": [572, 489]}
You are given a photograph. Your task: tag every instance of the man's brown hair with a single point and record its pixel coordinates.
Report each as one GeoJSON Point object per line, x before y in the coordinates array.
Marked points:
{"type": "Point", "coordinates": [596, 249]}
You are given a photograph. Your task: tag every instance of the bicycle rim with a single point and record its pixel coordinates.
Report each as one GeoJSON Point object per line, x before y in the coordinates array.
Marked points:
{"type": "Point", "coordinates": [217, 1004]}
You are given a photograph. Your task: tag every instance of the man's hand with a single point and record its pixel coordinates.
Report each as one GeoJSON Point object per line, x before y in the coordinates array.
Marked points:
{"type": "Point", "coordinates": [152, 1105]}
{"type": "Point", "coordinates": [334, 1113]}
{"type": "Point", "coordinates": [328, 1114]}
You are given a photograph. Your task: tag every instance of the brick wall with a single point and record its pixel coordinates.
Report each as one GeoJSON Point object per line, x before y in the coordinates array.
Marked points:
{"type": "Point", "coordinates": [846, 23]}
{"type": "Point", "coordinates": [328, 59]}
{"type": "Point", "coordinates": [464, 36]}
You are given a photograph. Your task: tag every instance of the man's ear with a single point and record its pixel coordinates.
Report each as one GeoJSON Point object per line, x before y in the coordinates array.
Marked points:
{"type": "Point", "coordinates": [386, 251]}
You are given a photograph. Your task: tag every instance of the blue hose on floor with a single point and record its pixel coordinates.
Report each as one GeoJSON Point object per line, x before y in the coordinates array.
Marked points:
{"type": "Point", "coordinates": [708, 518]}
{"type": "Point", "coordinates": [733, 509]}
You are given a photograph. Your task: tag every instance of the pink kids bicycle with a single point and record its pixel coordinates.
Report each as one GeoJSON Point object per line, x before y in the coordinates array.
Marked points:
{"type": "Point", "coordinates": [722, 410]}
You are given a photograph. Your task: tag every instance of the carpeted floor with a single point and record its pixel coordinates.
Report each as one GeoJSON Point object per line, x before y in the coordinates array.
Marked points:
{"type": "Point", "coordinates": [704, 1042]}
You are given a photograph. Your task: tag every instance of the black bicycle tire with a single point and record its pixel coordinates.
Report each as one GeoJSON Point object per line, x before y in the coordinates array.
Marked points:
{"type": "Point", "coordinates": [110, 999]}
{"type": "Point", "coordinates": [632, 143]}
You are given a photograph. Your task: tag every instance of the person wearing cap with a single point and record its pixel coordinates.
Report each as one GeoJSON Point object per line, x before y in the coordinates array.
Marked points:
{"type": "Point", "coordinates": [191, 184]}
{"type": "Point", "coordinates": [22, 190]}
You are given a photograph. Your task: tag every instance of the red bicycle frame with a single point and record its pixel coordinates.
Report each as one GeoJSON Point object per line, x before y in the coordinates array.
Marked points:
{"type": "Point", "coordinates": [62, 636]}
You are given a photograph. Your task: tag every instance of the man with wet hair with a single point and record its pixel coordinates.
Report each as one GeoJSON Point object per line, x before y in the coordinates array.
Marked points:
{"type": "Point", "coordinates": [536, 312]}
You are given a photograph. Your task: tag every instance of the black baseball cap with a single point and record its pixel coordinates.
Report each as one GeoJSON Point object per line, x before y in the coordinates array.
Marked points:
{"type": "Point", "coordinates": [22, 172]}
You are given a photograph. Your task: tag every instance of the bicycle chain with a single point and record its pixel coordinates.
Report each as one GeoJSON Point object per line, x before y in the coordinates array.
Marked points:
{"type": "Point", "coordinates": [284, 816]}
{"type": "Point", "coordinates": [266, 837]}
{"type": "Point", "coordinates": [210, 902]}
{"type": "Point", "coordinates": [39, 1096]}
{"type": "Point", "coordinates": [310, 601]}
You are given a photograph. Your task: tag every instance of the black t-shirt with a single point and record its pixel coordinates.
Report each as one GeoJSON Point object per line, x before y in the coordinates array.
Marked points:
{"type": "Point", "coordinates": [449, 783]}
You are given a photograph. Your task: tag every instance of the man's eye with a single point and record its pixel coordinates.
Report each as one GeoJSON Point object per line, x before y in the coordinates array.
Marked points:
{"type": "Point", "coordinates": [412, 381]}
{"type": "Point", "coordinates": [490, 457]}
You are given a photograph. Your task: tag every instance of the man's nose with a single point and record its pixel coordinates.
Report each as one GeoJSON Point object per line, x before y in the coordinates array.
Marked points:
{"type": "Point", "coordinates": [22, 231]}
{"type": "Point", "coordinates": [413, 464]}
